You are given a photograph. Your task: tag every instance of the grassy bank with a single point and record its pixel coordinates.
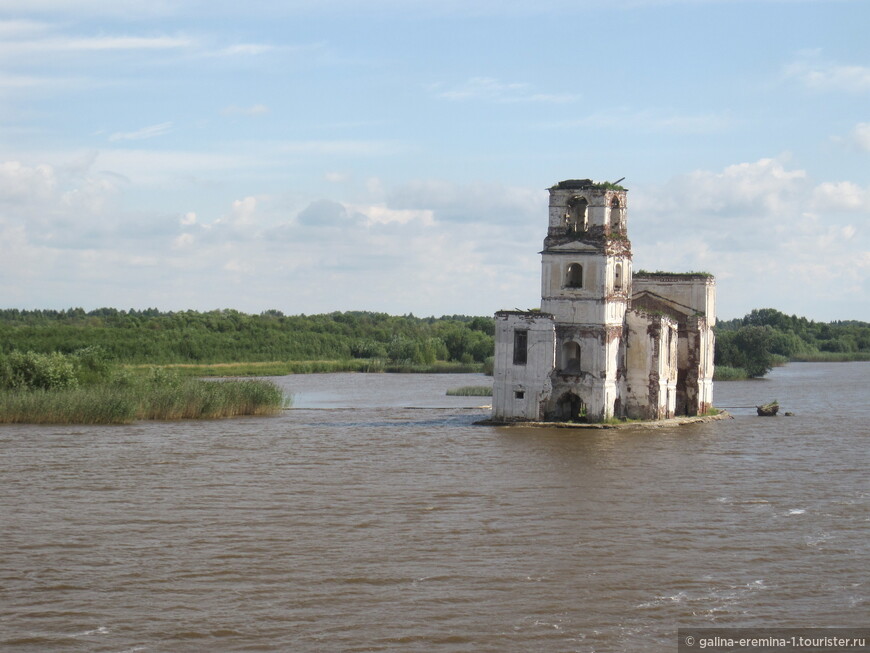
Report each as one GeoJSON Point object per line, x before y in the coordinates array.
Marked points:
{"type": "Point", "coordinates": [143, 399]}
{"type": "Point", "coordinates": [282, 368]}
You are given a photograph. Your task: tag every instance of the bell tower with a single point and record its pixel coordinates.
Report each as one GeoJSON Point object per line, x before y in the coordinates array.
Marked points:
{"type": "Point", "coordinates": [586, 286]}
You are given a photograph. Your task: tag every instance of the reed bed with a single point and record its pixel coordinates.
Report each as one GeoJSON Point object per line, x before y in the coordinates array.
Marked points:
{"type": "Point", "coordinates": [831, 357]}
{"type": "Point", "coordinates": [470, 391]}
{"type": "Point", "coordinates": [281, 368]}
{"type": "Point", "coordinates": [127, 402]}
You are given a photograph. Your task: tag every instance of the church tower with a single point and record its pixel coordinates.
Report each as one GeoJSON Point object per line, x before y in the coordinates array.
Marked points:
{"type": "Point", "coordinates": [586, 286]}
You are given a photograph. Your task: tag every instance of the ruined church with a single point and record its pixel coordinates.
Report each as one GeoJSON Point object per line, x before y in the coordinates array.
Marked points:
{"type": "Point", "coordinates": [606, 342]}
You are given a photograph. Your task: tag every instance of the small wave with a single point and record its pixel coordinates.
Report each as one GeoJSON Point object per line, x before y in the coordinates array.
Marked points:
{"type": "Point", "coordinates": [796, 511]}
{"type": "Point", "coordinates": [100, 630]}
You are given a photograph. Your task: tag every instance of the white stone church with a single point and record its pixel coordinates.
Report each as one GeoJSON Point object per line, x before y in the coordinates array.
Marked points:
{"type": "Point", "coordinates": [605, 343]}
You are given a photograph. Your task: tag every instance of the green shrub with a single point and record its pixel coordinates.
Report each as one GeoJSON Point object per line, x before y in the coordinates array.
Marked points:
{"type": "Point", "coordinates": [726, 373]}
{"type": "Point", "coordinates": [34, 371]}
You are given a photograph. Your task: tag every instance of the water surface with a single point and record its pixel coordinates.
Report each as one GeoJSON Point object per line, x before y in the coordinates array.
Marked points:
{"type": "Point", "coordinates": [376, 517]}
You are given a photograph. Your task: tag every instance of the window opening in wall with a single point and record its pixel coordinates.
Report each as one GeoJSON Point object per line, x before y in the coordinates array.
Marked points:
{"type": "Point", "coordinates": [576, 218]}
{"type": "Point", "coordinates": [574, 277]}
{"type": "Point", "coordinates": [520, 394]}
{"type": "Point", "coordinates": [571, 358]}
{"type": "Point", "coordinates": [615, 215]}
{"type": "Point", "coordinates": [617, 277]}
{"type": "Point", "coordinates": [521, 346]}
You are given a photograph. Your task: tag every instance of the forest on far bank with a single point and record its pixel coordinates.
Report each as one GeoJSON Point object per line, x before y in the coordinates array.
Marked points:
{"type": "Point", "coordinates": [752, 344]}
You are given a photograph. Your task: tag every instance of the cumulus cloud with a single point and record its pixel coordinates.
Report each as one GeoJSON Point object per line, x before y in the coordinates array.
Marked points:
{"type": "Point", "coordinates": [243, 211]}
{"type": "Point", "coordinates": [473, 247]}
{"type": "Point", "coordinates": [740, 191]}
{"type": "Point", "coordinates": [840, 196]}
{"type": "Point", "coordinates": [20, 182]}
{"type": "Point", "coordinates": [759, 227]}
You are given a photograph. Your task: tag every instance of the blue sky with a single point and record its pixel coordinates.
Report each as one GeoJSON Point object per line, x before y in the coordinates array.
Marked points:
{"type": "Point", "coordinates": [393, 155]}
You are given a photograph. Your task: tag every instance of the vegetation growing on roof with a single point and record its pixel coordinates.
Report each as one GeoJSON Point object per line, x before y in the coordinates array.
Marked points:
{"type": "Point", "coordinates": [570, 184]}
{"type": "Point", "coordinates": [661, 273]}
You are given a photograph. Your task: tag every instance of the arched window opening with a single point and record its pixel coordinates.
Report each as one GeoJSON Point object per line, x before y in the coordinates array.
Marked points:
{"type": "Point", "coordinates": [615, 215]}
{"type": "Point", "coordinates": [571, 358]}
{"type": "Point", "coordinates": [574, 278]}
{"type": "Point", "coordinates": [617, 277]}
{"type": "Point", "coordinates": [576, 218]}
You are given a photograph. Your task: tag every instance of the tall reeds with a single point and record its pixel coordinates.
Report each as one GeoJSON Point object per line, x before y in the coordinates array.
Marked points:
{"type": "Point", "coordinates": [125, 402]}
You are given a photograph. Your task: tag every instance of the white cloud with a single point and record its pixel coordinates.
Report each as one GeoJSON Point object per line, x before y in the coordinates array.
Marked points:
{"type": "Point", "coordinates": [253, 110]}
{"type": "Point", "coordinates": [471, 203]}
{"type": "Point", "coordinates": [10, 29]}
{"type": "Point", "coordinates": [820, 75]}
{"type": "Point", "coordinates": [243, 211]}
{"type": "Point", "coordinates": [166, 168]}
{"type": "Point", "coordinates": [328, 213]}
{"type": "Point", "coordinates": [770, 235]}
{"type": "Point", "coordinates": [141, 134]}
{"type": "Point", "coordinates": [247, 49]}
{"type": "Point", "coordinates": [343, 148]}
{"type": "Point", "coordinates": [11, 82]}
{"type": "Point", "coordinates": [182, 241]}
{"type": "Point", "coordinates": [122, 8]}
{"type": "Point", "coordinates": [861, 136]}
{"type": "Point", "coordinates": [840, 196]}
{"type": "Point", "coordinates": [19, 182]}
{"type": "Point", "coordinates": [53, 46]}
{"type": "Point", "coordinates": [745, 190]}
{"type": "Point", "coordinates": [380, 214]}
{"type": "Point", "coordinates": [487, 88]}
{"type": "Point", "coordinates": [657, 120]}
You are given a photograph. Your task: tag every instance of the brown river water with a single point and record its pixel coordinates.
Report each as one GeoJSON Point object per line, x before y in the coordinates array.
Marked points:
{"type": "Point", "coordinates": [375, 517]}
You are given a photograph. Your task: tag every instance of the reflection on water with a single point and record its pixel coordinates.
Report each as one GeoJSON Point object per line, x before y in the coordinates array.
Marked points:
{"type": "Point", "coordinates": [355, 523]}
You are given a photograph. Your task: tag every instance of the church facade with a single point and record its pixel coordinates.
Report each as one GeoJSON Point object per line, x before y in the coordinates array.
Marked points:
{"type": "Point", "coordinates": [606, 342]}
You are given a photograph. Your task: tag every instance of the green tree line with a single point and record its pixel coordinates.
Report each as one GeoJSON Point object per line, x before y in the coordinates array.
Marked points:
{"type": "Point", "coordinates": [154, 337]}
{"type": "Point", "coordinates": [766, 337]}
{"type": "Point", "coordinates": [753, 343]}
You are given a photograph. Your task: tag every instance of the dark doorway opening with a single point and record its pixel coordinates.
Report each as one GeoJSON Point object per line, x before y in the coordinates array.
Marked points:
{"type": "Point", "coordinates": [570, 408]}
